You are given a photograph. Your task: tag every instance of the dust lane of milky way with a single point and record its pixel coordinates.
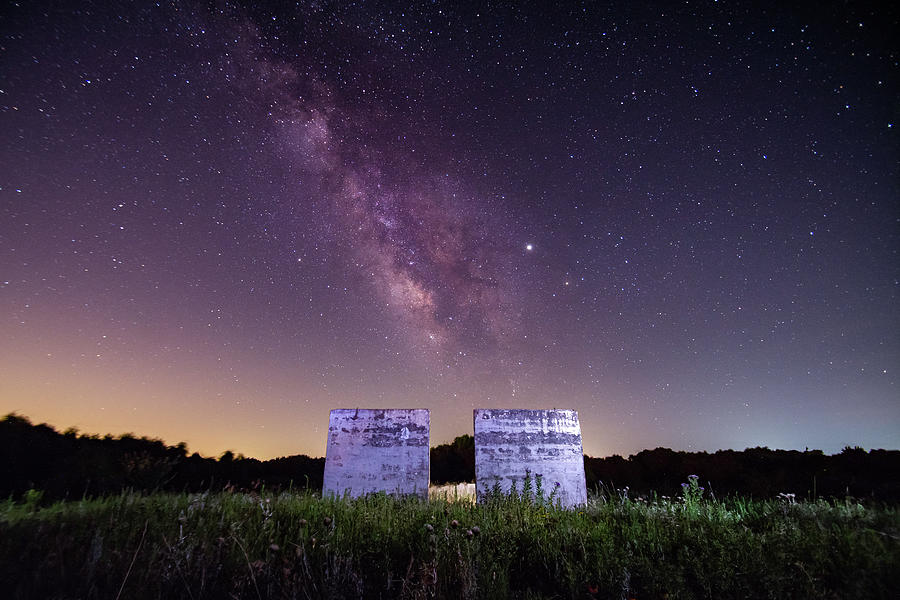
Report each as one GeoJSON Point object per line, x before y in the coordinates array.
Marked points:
{"type": "Point", "coordinates": [434, 251]}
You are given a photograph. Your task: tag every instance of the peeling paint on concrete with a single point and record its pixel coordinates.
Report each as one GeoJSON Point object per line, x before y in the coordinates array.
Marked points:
{"type": "Point", "coordinates": [542, 443]}
{"type": "Point", "coordinates": [377, 450]}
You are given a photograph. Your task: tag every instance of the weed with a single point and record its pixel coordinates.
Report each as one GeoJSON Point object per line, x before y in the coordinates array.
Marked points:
{"type": "Point", "coordinates": [298, 545]}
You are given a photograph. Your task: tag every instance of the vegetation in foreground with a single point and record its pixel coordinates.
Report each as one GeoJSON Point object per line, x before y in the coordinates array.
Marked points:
{"type": "Point", "coordinates": [290, 545]}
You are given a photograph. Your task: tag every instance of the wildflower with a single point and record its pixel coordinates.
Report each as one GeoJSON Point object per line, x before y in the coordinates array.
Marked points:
{"type": "Point", "coordinates": [693, 477]}
{"type": "Point", "coordinates": [327, 520]}
{"type": "Point", "coordinates": [454, 523]}
{"type": "Point", "coordinates": [274, 548]}
{"type": "Point", "coordinates": [470, 534]}
{"type": "Point", "coordinates": [302, 522]}
{"type": "Point", "coordinates": [428, 527]}
{"type": "Point", "coordinates": [475, 529]}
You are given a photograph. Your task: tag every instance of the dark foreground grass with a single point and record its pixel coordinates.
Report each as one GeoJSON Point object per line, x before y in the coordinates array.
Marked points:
{"type": "Point", "coordinates": [301, 546]}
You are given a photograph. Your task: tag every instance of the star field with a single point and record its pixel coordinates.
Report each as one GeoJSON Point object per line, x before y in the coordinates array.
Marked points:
{"type": "Point", "coordinates": [218, 223]}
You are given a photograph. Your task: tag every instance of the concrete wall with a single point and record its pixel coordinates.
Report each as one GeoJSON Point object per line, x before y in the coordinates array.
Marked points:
{"type": "Point", "coordinates": [377, 450]}
{"type": "Point", "coordinates": [546, 443]}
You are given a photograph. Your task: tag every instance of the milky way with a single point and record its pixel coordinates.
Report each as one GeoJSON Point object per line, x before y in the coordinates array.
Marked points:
{"type": "Point", "coordinates": [438, 255]}
{"type": "Point", "coordinates": [435, 254]}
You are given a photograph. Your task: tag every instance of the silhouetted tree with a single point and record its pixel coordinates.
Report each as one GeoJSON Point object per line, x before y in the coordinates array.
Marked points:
{"type": "Point", "coordinates": [73, 465]}
{"type": "Point", "coordinates": [454, 462]}
{"type": "Point", "coordinates": [67, 465]}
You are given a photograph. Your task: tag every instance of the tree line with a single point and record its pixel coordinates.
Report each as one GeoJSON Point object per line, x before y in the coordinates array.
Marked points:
{"type": "Point", "coordinates": [73, 465]}
{"type": "Point", "coordinates": [755, 472]}
{"type": "Point", "coordinates": [70, 465]}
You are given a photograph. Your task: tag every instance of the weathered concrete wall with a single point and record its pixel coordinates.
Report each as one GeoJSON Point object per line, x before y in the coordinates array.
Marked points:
{"type": "Point", "coordinates": [377, 450]}
{"type": "Point", "coordinates": [545, 443]}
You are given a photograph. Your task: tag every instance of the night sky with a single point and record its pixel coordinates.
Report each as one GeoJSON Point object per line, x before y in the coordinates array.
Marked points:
{"type": "Point", "coordinates": [220, 221]}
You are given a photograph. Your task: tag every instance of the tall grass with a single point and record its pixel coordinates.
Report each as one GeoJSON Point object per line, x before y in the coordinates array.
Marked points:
{"type": "Point", "coordinates": [453, 492]}
{"type": "Point", "coordinates": [302, 546]}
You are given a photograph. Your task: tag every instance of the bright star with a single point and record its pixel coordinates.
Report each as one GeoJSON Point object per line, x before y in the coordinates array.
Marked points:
{"type": "Point", "coordinates": [529, 247]}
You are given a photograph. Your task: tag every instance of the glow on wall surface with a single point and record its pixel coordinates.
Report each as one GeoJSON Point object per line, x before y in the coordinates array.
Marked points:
{"type": "Point", "coordinates": [377, 450]}
{"type": "Point", "coordinates": [511, 444]}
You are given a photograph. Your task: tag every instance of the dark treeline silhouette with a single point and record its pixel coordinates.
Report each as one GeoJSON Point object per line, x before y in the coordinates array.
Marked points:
{"type": "Point", "coordinates": [756, 472]}
{"type": "Point", "coordinates": [69, 465]}
{"type": "Point", "coordinates": [453, 462]}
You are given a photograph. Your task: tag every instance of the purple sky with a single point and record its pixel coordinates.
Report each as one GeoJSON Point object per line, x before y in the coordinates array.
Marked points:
{"type": "Point", "coordinates": [681, 221]}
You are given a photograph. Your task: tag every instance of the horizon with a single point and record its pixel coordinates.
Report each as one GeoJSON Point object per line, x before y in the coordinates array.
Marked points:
{"type": "Point", "coordinates": [237, 453]}
{"type": "Point", "coordinates": [219, 222]}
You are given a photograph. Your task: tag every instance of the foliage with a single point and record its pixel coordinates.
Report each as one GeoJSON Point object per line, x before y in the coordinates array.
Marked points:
{"type": "Point", "coordinates": [69, 465]}
{"type": "Point", "coordinates": [755, 472]}
{"type": "Point", "coordinates": [297, 545]}
{"type": "Point", "coordinates": [455, 462]}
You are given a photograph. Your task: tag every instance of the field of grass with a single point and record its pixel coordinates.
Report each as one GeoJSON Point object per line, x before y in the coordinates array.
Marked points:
{"type": "Point", "coordinates": [298, 545]}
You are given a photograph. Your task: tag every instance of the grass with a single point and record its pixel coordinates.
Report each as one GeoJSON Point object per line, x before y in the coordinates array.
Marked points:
{"type": "Point", "coordinates": [453, 492]}
{"type": "Point", "coordinates": [298, 545]}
